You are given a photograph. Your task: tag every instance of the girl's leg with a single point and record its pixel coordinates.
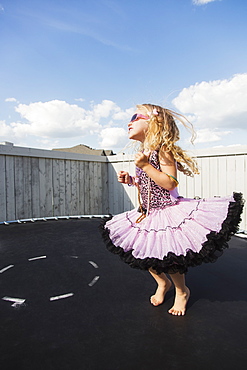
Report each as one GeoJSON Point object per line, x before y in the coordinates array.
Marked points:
{"type": "Point", "coordinates": [182, 295]}
{"type": "Point", "coordinates": [164, 284]}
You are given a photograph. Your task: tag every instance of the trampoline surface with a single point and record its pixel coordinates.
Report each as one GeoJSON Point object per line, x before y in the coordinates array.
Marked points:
{"type": "Point", "coordinates": [67, 303]}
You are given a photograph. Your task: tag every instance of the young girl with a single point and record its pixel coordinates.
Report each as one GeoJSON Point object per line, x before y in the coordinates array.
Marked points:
{"type": "Point", "coordinates": [167, 233]}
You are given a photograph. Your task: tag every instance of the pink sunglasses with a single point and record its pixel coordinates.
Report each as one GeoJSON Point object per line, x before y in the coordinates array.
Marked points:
{"type": "Point", "coordinates": [136, 116]}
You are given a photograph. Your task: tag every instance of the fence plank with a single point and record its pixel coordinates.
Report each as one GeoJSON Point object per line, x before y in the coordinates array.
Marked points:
{"type": "Point", "coordinates": [87, 189]}
{"type": "Point", "coordinates": [66, 177]}
{"type": "Point", "coordinates": [213, 176]}
{"type": "Point", "coordinates": [3, 214]}
{"type": "Point", "coordinates": [81, 193]}
{"type": "Point", "coordinates": [74, 181]}
{"type": "Point", "coordinates": [104, 187]}
{"type": "Point", "coordinates": [98, 190]}
{"type": "Point", "coordinates": [27, 187]}
{"type": "Point", "coordinates": [206, 179]}
{"type": "Point", "coordinates": [42, 187]}
{"type": "Point", "coordinates": [35, 185]}
{"type": "Point", "coordinates": [19, 188]}
{"type": "Point", "coordinates": [55, 182]}
{"type": "Point", "coordinates": [91, 188]}
{"type": "Point", "coordinates": [49, 188]}
{"type": "Point", "coordinates": [222, 175]}
{"type": "Point", "coordinates": [10, 189]}
{"type": "Point", "coordinates": [46, 185]}
{"type": "Point", "coordinates": [231, 174]}
{"type": "Point", "coordinates": [241, 184]}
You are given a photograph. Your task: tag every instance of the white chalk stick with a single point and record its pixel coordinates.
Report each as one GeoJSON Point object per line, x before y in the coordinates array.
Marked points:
{"type": "Point", "coordinates": [61, 296]}
{"type": "Point", "coordinates": [36, 258]}
{"type": "Point", "coordinates": [95, 279]}
{"type": "Point", "coordinates": [6, 268]}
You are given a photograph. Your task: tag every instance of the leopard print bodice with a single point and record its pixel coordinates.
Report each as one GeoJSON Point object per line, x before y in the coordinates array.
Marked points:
{"type": "Point", "coordinates": [159, 197]}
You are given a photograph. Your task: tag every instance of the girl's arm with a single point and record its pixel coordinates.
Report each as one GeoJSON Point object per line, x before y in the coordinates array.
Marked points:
{"type": "Point", "coordinates": [167, 165]}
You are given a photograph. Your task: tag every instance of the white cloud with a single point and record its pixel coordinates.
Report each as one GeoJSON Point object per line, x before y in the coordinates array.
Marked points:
{"type": "Point", "coordinates": [56, 121]}
{"type": "Point", "coordinates": [11, 100]}
{"type": "Point", "coordinates": [104, 109]}
{"type": "Point", "coordinates": [203, 2]}
{"type": "Point", "coordinates": [123, 115]}
{"type": "Point", "coordinates": [113, 137]}
{"type": "Point", "coordinates": [209, 135]}
{"type": "Point", "coordinates": [5, 131]}
{"type": "Point", "coordinates": [215, 104]}
{"type": "Point", "coordinates": [80, 99]}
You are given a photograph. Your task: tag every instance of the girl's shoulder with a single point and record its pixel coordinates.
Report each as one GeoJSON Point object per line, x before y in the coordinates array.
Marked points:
{"type": "Point", "coordinates": [166, 158]}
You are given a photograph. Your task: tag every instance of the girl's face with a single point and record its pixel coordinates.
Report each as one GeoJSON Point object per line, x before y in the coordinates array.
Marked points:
{"type": "Point", "coordinates": [138, 128]}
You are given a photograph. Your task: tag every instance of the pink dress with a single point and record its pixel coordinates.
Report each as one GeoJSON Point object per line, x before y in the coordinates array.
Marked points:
{"type": "Point", "coordinates": [177, 232]}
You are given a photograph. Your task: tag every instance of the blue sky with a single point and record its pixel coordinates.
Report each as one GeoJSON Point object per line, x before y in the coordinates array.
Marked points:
{"type": "Point", "coordinates": [72, 71]}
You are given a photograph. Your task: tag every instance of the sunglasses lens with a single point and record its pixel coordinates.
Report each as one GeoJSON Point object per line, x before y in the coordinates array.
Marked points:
{"type": "Point", "coordinates": [133, 118]}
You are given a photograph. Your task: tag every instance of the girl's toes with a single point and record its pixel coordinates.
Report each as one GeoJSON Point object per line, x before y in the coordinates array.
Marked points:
{"type": "Point", "coordinates": [154, 301]}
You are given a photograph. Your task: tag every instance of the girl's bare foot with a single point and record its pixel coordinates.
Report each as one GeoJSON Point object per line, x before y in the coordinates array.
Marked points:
{"type": "Point", "coordinates": [159, 296]}
{"type": "Point", "coordinates": [180, 303]}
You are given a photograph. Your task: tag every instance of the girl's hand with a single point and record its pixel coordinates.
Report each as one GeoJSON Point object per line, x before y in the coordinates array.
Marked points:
{"type": "Point", "coordinates": [141, 160]}
{"type": "Point", "coordinates": [123, 177]}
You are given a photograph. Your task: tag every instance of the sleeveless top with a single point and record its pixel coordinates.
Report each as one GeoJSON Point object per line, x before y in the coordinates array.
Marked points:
{"type": "Point", "coordinates": [159, 197]}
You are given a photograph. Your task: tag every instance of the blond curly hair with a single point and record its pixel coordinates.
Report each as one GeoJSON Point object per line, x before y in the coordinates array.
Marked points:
{"type": "Point", "coordinates": [163, 133]}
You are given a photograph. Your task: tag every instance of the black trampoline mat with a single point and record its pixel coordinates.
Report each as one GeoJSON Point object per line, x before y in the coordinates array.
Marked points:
{"type": "Point", "coordinates": [82, 308]}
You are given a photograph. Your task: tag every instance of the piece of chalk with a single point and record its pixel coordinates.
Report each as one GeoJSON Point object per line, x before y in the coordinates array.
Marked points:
{"type": "Point", "coordinates": [61, 296]}
{"type": "Point", "coordinates": [93, 264]}
{"type": "Point", "coordinates": [95, 279]}
{"type": "Point", "coordinates": [36, 258]}
{"type": "Point", "coordinates": [6, 268]}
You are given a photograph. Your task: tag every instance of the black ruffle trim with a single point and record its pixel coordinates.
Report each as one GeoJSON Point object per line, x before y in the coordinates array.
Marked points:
{"type": "Point", "coordinates": [212, 248]}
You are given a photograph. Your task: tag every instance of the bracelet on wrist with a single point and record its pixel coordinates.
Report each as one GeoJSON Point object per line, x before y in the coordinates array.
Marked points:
{"type": "Point", "coordinates": [131, 181]}
{"type": "Point", "coordinates": [172, 178]}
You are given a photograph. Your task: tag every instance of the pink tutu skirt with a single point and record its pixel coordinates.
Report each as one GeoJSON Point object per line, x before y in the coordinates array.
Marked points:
{"type": "Point", "coordinates": [176, 237]}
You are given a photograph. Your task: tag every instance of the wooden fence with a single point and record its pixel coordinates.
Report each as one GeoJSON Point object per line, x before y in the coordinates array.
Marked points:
{"type": "Point", "coordinates": [43, 183]}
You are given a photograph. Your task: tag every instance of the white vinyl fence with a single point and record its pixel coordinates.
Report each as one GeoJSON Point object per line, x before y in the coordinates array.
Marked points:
{"type": "Point", "coordinates": [221, 173]}
{"type": "Point", "coordinates": [43, 183]}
